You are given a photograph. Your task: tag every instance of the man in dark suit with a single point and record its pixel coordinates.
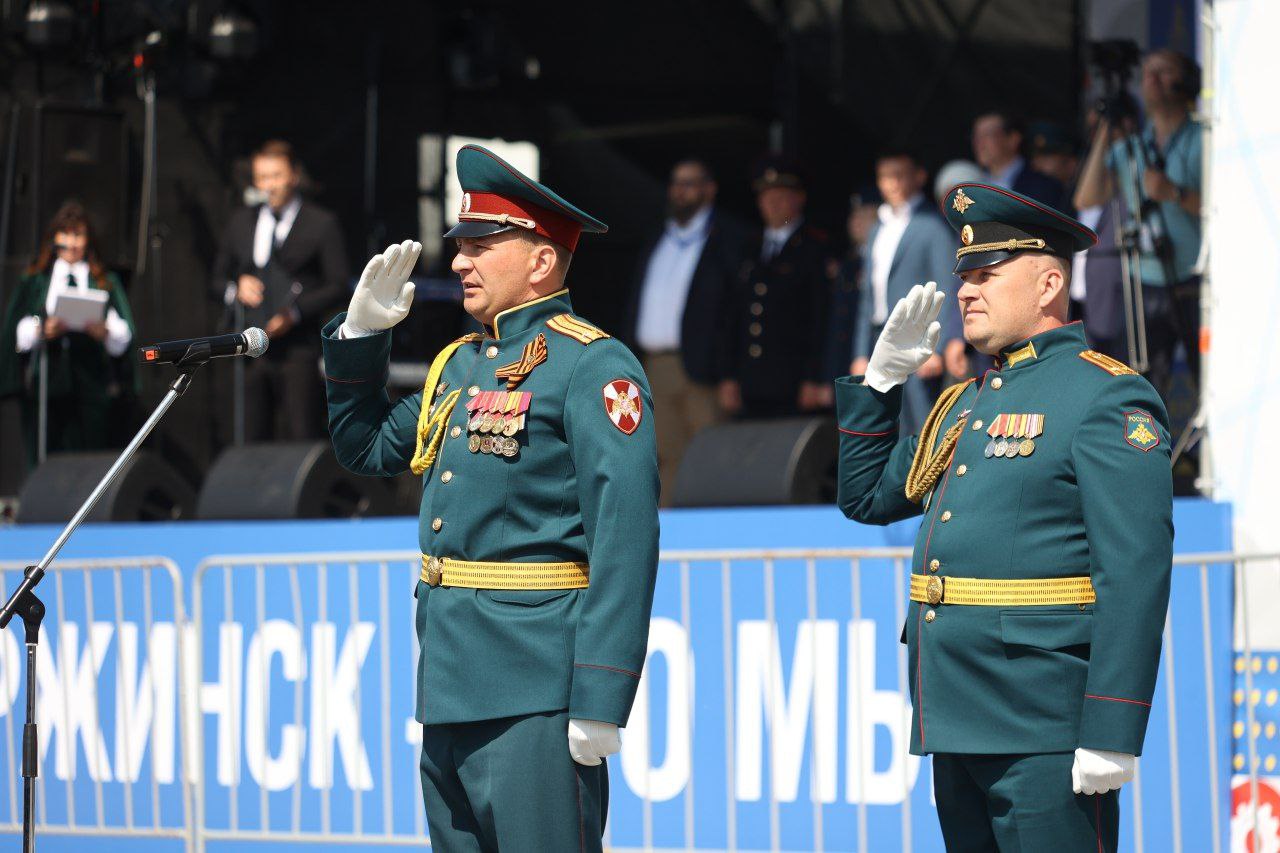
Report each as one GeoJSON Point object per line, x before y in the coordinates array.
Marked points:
{"type": "Point", "coordinates": [997, 146]}
{"type": "Point", "coordinates": [776, 349]}
{"type": "Point", "coordinates": [909, 244]}
{"type": "Point", "coordinates": [682, 289]}
{"type": "Point", "coordinates": [282, 266]}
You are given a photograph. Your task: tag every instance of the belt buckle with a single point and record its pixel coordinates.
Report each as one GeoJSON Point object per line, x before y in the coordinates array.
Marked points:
{"type": "Point", "coordinates": [435, 572]}
{"type": "Point", "coordinates": [933, 590]}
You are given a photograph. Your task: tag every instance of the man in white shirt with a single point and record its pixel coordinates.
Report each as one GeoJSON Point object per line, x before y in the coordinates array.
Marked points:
{"type": "Point", "coordinates": [683, 285]}
{"type": "Point", "coordinates": [909, 244]}
{"type": "Point", "coordinates": [282, 266]}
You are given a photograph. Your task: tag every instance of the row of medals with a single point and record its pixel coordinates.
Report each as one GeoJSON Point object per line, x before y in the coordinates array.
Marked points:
{"type": "Point", "coordinates": [491, 433]}
{"type": "Point", "coordinates": [1009, 448]}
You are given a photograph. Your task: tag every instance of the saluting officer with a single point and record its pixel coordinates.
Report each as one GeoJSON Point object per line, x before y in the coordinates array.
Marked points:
{"type": "Point", "coordinates": [539, 524]}
{"type": "Point", "coordinates": [777, 330]}
{"type": "Point", "coordinates": [1040, 578]}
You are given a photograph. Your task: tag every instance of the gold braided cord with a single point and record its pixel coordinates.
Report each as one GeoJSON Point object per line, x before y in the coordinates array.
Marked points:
{"type": "Point", "coordinates": [430, 431]}
{"type": "Point", "coordinates": [1006, 245]}
{"type": "Point", "coordinates": [1002, 592]}
{"type": "Point", "coordinates": [928, 465]}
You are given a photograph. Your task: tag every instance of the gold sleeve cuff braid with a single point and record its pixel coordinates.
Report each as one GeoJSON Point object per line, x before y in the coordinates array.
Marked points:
{"type": "Point", "coordinates": [431, 424]}
{"type": "Point", "coordinates": [928, 466]}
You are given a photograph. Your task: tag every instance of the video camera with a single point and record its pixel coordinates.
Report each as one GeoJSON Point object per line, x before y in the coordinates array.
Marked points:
{"type": "Point", "coordinates": [1115, 60]}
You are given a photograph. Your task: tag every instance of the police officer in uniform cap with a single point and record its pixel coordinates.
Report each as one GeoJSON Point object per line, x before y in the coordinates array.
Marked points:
{"type": "Point", "coordinates": [538, 527]}
{"type": "Point", "coordinates": [1040, 578]}
{"type": "Point", "coordinates": [777, 333]}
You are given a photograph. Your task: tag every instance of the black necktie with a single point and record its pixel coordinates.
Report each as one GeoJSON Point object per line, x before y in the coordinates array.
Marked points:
{"type": "Point", "coordinates": [272, 244]}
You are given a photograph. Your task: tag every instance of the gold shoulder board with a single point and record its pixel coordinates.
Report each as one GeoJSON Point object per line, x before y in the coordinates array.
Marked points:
{"type": "Point", "coordinates": [1107, 363]}
{"type": "Point", "coordinates": [571, 327]}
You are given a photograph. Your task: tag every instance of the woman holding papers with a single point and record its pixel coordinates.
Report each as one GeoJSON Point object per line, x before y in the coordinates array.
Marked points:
{"type": "Point", "coordinates": [69, 306]}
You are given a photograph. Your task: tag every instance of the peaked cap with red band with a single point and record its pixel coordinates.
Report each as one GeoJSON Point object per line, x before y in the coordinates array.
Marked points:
{"type": "Point", "coordinates": [497, 197]}
{"type": "Point", "coordinates": [995, 224]}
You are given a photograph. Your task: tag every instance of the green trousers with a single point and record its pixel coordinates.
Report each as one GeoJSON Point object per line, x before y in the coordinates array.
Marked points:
{"type": "Point", "coordinates": [511, 785]}
{"type": "Point", "coordinates": [1020, 804]}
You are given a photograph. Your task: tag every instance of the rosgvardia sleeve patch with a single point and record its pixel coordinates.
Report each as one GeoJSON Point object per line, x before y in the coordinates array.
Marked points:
{"type": "Point", "coordinates": [622, 405]}
{"type": "Point", "coordinates": [1140, 430]}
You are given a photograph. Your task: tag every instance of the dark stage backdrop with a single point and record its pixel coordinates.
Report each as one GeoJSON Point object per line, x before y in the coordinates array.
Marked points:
{"type": "Point", "coordinates": [612, 94]}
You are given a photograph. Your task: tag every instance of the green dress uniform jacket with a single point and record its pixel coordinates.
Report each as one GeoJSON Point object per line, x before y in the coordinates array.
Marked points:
{"type": "Point", "coordinates": [580, 489]}
{"type": "Point", "coordinates": [83, 377]}
{"type": "Point", "coordinates": [1093, 499]}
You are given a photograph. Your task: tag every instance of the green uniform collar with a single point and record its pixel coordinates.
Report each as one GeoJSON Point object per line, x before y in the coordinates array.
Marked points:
{"type": "Point", "coordinates": [516, 321]}
{"type": "Point", "coordinates": [1066, 338]}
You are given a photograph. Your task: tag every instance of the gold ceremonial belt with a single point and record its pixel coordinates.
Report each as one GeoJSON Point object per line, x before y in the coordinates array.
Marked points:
{"type": "Point", "coordinates": [446, 571]}
{"type": "Point", "coordinates": [1002, 593]}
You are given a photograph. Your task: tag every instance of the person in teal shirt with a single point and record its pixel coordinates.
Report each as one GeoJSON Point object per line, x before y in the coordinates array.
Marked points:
{"type": "Point", "coordinates": [538, 524]}
{"type": "Point", "coordinates": [1163, 163]}
{"type": "Point", "coordinates": [1040, 577]}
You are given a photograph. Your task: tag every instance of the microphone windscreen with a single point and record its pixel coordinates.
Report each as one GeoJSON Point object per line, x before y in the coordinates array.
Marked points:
{"type": "Point", "coordinates": [255, 341]}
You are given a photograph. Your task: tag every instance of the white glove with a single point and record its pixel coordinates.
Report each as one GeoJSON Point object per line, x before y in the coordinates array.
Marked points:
{"type": "Point", "coordinates": [1098, 771]}
{"type": "Point", "coordinates": [908, 339]}
{"type": "Point", "coordinates": [591, 740]}
{"type": "Point", "coordinates": [384, 294]}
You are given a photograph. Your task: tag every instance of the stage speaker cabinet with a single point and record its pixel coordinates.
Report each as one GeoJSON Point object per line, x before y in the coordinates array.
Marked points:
{"type": "Point", "coordinates": [760, 463]}
{"type": "Point", "coordinates": [291, 480]}
{"type": "Point", "coordinates": [148, 489]}
{"type": "Point", "coordinates": [76, 152]}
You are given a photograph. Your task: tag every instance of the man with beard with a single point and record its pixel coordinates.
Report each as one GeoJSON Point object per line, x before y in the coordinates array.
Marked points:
{"type": "Point", "coordinates": [682, 290]}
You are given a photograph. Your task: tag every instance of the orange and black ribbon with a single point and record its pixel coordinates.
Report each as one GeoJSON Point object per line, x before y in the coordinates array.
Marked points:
{"type": "Point", "coordinates": [535, 352]}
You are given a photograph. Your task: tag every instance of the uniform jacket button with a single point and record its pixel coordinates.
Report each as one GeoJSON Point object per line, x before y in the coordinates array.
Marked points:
{"type": "Point", "coordinates": [929, 616]}
{"type": "Point", "coordinates": [962, 470]}
{"type": "Point", "coordinates": [446, 476]}
{"type": "Point", "coordinates": [456, 431]}
{"type": "Point", "coordinates": [997, 382]}
{"type": "Point", "coordinates": [436, 524]}
{"type": "Point", "coordinates": [491, 352]}
{"type": "Point", "coordinates": [946, 515]}
{"type": "Point", "coordinates": [934, 565]}
{"type": "Point", "coordinates": [473, 390]}
{"type": "Point", "coordinates": [977, 425]}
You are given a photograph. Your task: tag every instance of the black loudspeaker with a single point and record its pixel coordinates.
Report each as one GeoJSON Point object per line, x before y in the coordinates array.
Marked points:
{"type": "Point", "coordinates": [291, 480]}
{"type": "Point", "coordinates": [73, 152]}
{"type": "Point", "coordinates": [754, 463]}
{"type": "Point", "coordinates": [146, 490]}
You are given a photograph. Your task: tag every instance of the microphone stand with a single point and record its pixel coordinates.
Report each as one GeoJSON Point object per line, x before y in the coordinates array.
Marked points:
{"type": "Point", "coordinates": [23, 602]}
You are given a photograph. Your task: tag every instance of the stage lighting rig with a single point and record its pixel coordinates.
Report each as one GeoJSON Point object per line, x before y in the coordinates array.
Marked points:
{"type": "Point", "coordinates": [50, 23]}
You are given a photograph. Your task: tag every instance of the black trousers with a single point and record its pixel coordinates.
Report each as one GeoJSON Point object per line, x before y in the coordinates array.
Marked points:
{"type": "Point", "coordinates": [283, 397]}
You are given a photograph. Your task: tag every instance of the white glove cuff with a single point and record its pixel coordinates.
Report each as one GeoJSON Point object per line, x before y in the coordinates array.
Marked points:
{"type": "Point", "coordinates": [877, 380]}
{"type": "Point", "coordinates": [347, 331]}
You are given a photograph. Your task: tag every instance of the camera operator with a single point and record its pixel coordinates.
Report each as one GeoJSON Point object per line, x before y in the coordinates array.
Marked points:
{"type": "Point", "coordinates": [1166, 154]}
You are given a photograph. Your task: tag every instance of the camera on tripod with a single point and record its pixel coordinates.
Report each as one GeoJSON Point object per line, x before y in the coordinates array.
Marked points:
{"type": "Point", "coordinates": [1115, 60]}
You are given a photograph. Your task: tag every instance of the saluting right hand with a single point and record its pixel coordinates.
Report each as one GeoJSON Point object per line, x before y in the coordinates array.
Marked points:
{"type": "Point", "coordinates": [908, 340]}
{"type": "Point", "coordinates": [384, 295]}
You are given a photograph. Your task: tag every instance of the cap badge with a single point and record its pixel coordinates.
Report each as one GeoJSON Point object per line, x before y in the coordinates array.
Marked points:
{"type": "Point", "coordinates": [966, 233]}
{"type": "Point", "coordinates": [961, 202]}
{"type": "Point", "coordinates": [466, 202]}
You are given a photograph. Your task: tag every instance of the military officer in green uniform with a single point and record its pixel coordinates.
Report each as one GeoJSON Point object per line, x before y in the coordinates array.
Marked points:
{"type": "Point", "coordinates": [1040, 577]}
{"type": "Point", "coordinates": [538, 526]}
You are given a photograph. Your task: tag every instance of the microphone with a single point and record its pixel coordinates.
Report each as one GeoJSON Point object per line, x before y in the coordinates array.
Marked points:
{"type": "Point", "coordinates": [251, 342]}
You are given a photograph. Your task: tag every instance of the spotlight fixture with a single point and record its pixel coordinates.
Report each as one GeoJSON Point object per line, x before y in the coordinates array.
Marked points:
{"type": "Point", "coordinates": [233, 36]}
{"type": "Point", "coordinates": [50, 23]}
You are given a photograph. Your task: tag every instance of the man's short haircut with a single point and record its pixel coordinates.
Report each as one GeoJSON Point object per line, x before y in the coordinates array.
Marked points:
{"type": "Point", "coordinates": [700, 162]}
{"type": "Point", "coordinates": [563, 256]}
{"type": "Point", "coordinates": [899, 152]}
{"type": "Point", "coordinates": [277, 148]}
{"type": "Point", "coordinates": [1009, 121]}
